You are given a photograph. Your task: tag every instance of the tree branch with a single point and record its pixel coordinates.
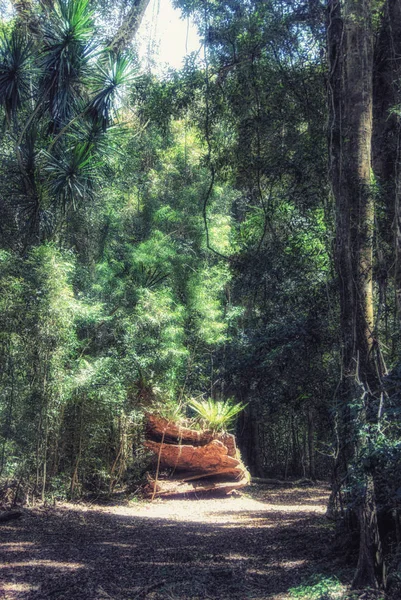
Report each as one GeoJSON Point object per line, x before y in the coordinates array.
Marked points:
{"type": "Point", "coordinates": [129, 27]}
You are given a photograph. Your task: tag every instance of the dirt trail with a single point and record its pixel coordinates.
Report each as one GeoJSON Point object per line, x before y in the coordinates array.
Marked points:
{"type": "Point", "coordinates": [257, 545]}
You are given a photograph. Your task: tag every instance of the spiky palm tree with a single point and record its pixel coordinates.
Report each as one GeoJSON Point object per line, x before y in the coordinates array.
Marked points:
{"type": "Point", "coordinates": [58, 94]}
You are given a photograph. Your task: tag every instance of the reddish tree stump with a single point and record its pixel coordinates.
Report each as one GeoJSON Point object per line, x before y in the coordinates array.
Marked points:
{"type": "Point", "coordinates": [199, 460]}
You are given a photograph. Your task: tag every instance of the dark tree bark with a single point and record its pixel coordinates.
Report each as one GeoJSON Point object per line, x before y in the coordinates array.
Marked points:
{"type": "Point", "coordinates": [386, 147]}
{"type": "Point", "coordinates": [351, 93]}
{"type": "Point", "coordinates": [249, 440]}
{"type": "Point", "coordinates": [26, 16]}
{"type": "Point", "coordinates": [350, 50]}
{"type": "Point", "coordinates": [369, 541]}
{"type": "Point", "coordinates": [311, 444]}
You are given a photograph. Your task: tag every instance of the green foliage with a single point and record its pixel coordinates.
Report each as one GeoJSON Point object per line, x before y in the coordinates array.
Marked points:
{"type": "Point", "coordinates": [113, 299]}
{"type": "Point", "coordinates": [64, 59]}
{"type": "Point", "coordinates": [319, 587]}
{"type": "Point", "coordinates": [324, 587]}
{"type": "Point", "coordinates": [15, 71]}
{"type": "Point", "coordinates": [113, 74]}
{"type": "Point", "coordinates": [62, 93]}
{"type": "Point", "coordinates": [169, 409]}
{"type": "Point", "coordinates": [216, 415]}
{"type": "Point", "coordinates": [38, 342]}
{"type": "Point", "coordinates": [72, 175]}
{"type": "Point", "coordinates": [207, 289]}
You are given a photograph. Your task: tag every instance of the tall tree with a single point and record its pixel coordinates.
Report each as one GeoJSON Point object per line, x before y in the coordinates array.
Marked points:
{"type": "Point", "coordinates": [386, 141]}
{"type": "Point", "coordinates": [350, 102]}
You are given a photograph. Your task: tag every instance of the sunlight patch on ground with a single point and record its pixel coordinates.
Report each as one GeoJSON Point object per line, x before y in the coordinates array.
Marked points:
{"type": "Point", "coordinates": [294, 508]}
{"type": "Point", "coordinates": [293, 564]}
{"type": "Point", "coordinates": [285, 564]}
{"type": "Point", "coordinates": [248, 524]}
{"type": "Point", "coordinates": [256, 571]}
{"type": "Point", "coordinates": [119, 545]}
{"type": "Point", "coordinates": [233, 556]}
{"type": "Point", "coordinates": [42, 563]}
{"type": "Point", "coordinates": [16, 545]}
{"type": "Point", "coordinates": [240, 511]}
{"type": "Point", "coordinates": [19, 587]}
{"type": "Point", "coordinates": [221, 510]}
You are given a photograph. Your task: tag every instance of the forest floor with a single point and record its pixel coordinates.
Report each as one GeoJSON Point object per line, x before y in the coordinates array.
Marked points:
{"type": "Point", "coordinates": [266, 543]}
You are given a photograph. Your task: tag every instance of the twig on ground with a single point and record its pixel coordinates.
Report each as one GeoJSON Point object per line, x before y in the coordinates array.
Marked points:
{"type": "Point", "coordinates": [143, 593]}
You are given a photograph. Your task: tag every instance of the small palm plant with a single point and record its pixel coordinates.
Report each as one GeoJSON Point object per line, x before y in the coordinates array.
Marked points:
{"type": "Point", "coordinates": [216, 415]}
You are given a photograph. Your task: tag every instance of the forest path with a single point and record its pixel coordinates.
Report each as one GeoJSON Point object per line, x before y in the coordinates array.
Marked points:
{"type": "Point", "coordinates": [257, 545]}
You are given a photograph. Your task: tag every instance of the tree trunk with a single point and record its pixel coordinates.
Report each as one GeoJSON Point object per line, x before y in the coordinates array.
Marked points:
{"type": "Point", "coordinates": [129, 27]}
{"type": "Point", "coordinates": [296, 453]}
{"type": "Point", "coordinates": [26, 16]}
{"type": "Point", "coordinates": [350, 50]}
{"type": "Point", "coordinates": [311, 444]}
{"type": "Point", "coordinates": [158, 428]}
{"type": "Point", "coordinates": [370, 551]}
{"type": "Point", "coordinates": [249, 440]}
{"type": "Point", "coordinates": [386, 147]}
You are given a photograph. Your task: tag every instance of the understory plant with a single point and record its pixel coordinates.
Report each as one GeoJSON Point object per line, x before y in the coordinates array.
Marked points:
{"type": "Point", "coordinates": [216, 415]}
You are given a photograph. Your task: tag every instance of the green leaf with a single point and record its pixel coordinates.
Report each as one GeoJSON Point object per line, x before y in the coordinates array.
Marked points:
{"type": "Point", "coordinates": [216, 414]}
{"type": "Point", "coordinates": [112, 75]}
{"type": "Point", "coordinates": [15, 72]}
{"type": "Point", "coordinates": [67, 51]}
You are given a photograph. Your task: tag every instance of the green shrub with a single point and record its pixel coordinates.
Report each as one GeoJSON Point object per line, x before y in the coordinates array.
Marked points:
{"type": "Point", "coordinates": [319, 587]}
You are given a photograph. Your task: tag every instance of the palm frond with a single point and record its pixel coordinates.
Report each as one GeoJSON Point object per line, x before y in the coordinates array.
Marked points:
{"type": "Point", "coordinates": [15, 72]}
{"type": "Point", "coordinates": [216, 414]}
{"type": "Point", "coordinates": [150, 277]}
{"type": "Point", "coordinates": [67, 50]}
{"type": "Point", "coordinates": [106, 143]}
{"type": "Point", "coordinates": [72, 175]}
{"type": "Point", "coordinates": [112, 75]}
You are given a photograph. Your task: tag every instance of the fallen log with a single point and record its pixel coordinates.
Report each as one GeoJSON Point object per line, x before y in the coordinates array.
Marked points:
{"type": "Point", "coordinates": [225, 474]}
{"type": "Point", "coordinates": [158, 429]}
{"type": "Point", "coordinates": [175, 487]}
{"type": "Point", "coordinates": [210, 458]}
{"type": "Point", "coordinates": [10, 515]}
{"type": "Point", "coordinates": [200, 461]}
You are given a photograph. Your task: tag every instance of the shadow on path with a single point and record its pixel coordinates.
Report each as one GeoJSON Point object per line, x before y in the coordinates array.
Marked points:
{"type": "Point", "coordinates": [174, 550]}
